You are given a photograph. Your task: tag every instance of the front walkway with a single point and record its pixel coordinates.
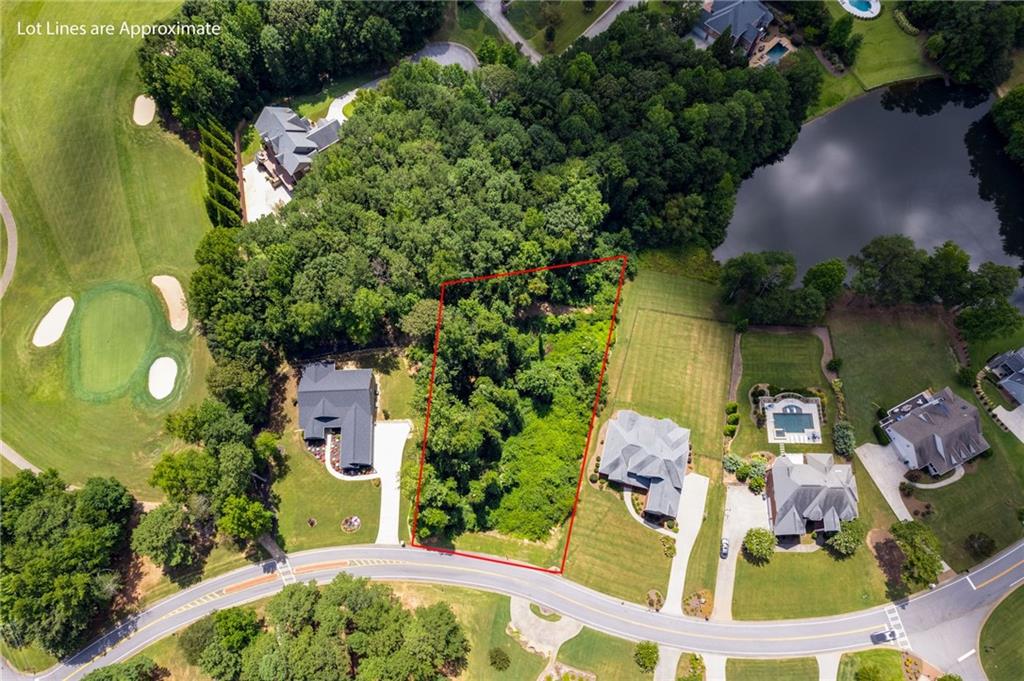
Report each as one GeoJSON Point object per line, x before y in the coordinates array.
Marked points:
{"type": "Point", "coordinates": [690, 517]}
{"type": "Point", "coordinates": [668, 663]}
{"type": "Point", "coordinates": [958, 473]}
{"type": "Point", "coordinates": [744, 511]}
{"type": "Point", "coordinates": [886, 469]}
{"type": "Point", "coordinates": [388, 443]}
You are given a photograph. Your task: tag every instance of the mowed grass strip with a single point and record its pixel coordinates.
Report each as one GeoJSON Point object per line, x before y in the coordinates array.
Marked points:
{"type": "Point", "coordinates": [890, 356]}
{"type": "Point", "coordinates": [97, 200]}
{"type": "Point", "coordinates": [1002, 639]}
{"type": "Point", "coordinates": [670, 360]}
{"type": "Point", "coordinates": [605, 656]}
{"type": "Point", "coordinates": [780, 589]}
{"type": "Point", "coordinates": [888, 662]}
{"type": "Point", "coordinates": [795, 669]}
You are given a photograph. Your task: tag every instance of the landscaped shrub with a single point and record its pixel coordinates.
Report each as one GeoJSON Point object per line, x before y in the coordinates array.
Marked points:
{"type": "Point", "coordinates": [849, 538]}
{"type": "Point", "coordinates": [756, 483]}
{"type": "Point", "coordinates": [921, 548]}
{"type": "Point", "coordinates": [913, 476]}
{"type": "Point", "coordinates": [668, 546]}
{"type": "Point", "coordinates": [980, 545]}
{"type": "Point", "coordinates": [965, 376]}
{"type": "Point", "coordinates": [732, 407]}
{"type": "Point", "coordinates": [843, 438]}
{"type": "Point", "coordinates": [732, 419]}
{"type": "Point", "coordinates": [742, 325]}
{"type": "Point", "coordinates": [759, 545]}
{"type": "Point", "coordinates": [646, 655]}
{"type": "Point", "coordinates": [881, 412]}
{"type": "Point", "coordinates": [594, 477]}
{"type": "Point", "coordinates": [731, 462]}
{"type": "Point", "coordinates": [729, 430]}
{"type": "Point", "coordinates": [835, 364]}
{"type": "Point", "coordinates": [743, 472]}
{"type": "Point", "coordinates": [904, 23]}
{"type": "Point", "coordinates": [694, 668]}
{"type": "Point", "coordinates": [906, 489]}
{"type": "Point", "coordinates": [869, 672]}
{"type": "Point", "coordinates": [499, 659]}
{"type": "Point", "coordinates": [881, 435]}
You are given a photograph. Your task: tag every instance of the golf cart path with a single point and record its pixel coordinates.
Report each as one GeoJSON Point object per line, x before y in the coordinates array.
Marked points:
{"type": "Point", "coordinates": [12, 246]}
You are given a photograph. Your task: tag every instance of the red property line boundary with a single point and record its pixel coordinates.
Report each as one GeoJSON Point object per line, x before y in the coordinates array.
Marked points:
{"type": "Point", "coordinates": [590, 429]}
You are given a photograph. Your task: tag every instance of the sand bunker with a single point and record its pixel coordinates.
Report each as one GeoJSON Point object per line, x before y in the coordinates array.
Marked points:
{"type": "Point", "coordinates": [145, 109]}
{"type": "Point", "coordinates": [174, 298]}
{"type": "Point", "coordinates": [51, 328]}
{"type": "Point", "coordinates": [162, 373]}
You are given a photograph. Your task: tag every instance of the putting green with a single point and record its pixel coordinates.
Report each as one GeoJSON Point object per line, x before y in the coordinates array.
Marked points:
{"type": "Point", "coordinates": [114, 333]}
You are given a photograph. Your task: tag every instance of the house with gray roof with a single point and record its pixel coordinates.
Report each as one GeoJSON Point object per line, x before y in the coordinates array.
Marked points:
{"type": "Point", "coordinates": [1008, 369]}
{"type": "Point", "coordinates": [810, 492]}
{"type": "Point", "coordinates": [292, 141]}
{"type": "Point", "coordinates": [938, 432]}
{"type": "Point", "coordinates": [339, 403]}
{"type": "Point", "coordinates": [748, 20]}
{"type": "Point", "coordinates": [647, 454]}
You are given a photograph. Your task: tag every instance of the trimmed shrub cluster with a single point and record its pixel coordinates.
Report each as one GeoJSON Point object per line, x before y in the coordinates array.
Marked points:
{"type": "Point", "coordinates": [904, 23]}
{"type": "Point", "coordinates": [222, 201]}
{"type": "Point", "coordinates": [880, 435]}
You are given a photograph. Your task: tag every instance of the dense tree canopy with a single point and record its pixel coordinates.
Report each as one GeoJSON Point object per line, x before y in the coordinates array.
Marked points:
{"type": "Point", "coordinates": [970, 40]}
{"type": "Point", "coordinates": [351, 629]}
{"type": "Point", "coordinates": [58, 550]}
{"type": "Point", "coordinates": [274, 47]}
{"type": "Point", "coordinates": [1008, 114]}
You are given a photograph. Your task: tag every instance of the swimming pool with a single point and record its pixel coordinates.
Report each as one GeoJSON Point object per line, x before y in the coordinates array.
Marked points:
{"type": "Point", "coordinates": [777, 52]}
{"type": "Point", "coordinates": [793, 423]}
{"type": "Point", "coordinates": [862, 5]}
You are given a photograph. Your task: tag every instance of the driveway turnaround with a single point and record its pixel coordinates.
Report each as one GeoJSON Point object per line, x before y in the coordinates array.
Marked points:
{"type": "Point", "coordinates": [942, 624]}
{"type": "Point", "coordinates": [541, 635]}
{"type": "Point", "coordinates": [448, 53]}
{"type": "Point", "coordinates": [744, 511]}
{"type": "Point", "coordinates": [388, 442]}
{"type": "Point", "coordinates": [886, 469]}
{"type": "Point", "coordinates": [690, 517]}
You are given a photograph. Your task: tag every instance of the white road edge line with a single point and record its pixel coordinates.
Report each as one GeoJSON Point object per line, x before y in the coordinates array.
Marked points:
{"type": "Point", "coordinates": [966, 655]}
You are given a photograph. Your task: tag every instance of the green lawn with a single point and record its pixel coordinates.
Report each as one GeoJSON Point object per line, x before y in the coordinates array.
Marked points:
{"type": "Point", "coordinates": [1002, 639]}
{"type": "Point", "coordinates": [983, 501]}
{"type": "Point", "coordinates": [839, 585]}
{"type": "Point", "coordinates": [790, 360]}
{"type": "Point", "coordinates": [796, 669]}
{"type": "Point", "coordinates": [466, 25]}
{"type": "Point", "coordinates": [484, 618]}
{"type": "Point", "coordinates": [526, 17]}
{"type": "Point", "coordinates": [606, 656]}
{"type": "Point", "coordinates": [28, 659]}
{"type": "Point", "coordinates": [96, 200]}
{"type": "Point", "coordinates": [1017, 76]}
{"type": "Point", "coordinates": [168, 655]}
{"type": "Point", "coordinates": [887, 55]}
{"type": "Point", "coordinates": [224, 558]}
{"type": "Point", "coordinates": [670, 359]}
{"type": "Point", "coordinates": [888, 661]}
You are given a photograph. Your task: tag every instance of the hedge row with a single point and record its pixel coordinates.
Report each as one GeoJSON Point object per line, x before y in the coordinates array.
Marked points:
{"type": "Point", "coordinates": [223, 203]}
{"type": "Point", "coordinates": [904, 23]}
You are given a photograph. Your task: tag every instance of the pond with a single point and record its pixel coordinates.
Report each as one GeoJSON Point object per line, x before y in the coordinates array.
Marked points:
{"type": "Point", "coordinates": [923, 160]}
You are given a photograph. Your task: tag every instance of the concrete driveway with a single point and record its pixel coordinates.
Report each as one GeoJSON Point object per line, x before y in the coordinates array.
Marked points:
{"type": "Point", "coordinates": [1013, 420]}
{"type": "Point", "coordinates": [886, 469]}
{"type": "Point", "coordinates": [388, 442]}
{"type": "Point", "coordinates": [690, 517]}
{"type": "Point", "coordinates": [261, 197]}
{"type": "Point", "coordinates": [744, 511]}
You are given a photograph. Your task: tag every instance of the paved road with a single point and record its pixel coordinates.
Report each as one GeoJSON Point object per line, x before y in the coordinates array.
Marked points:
{"type": "Point", "coordinates": [941, 624]}
{"type": "Point", "coordinates": [12, 246]}
{"type": "Point", "coordinates": [492, 8]}
{"type": "Point", "coordinates": [609, 16]}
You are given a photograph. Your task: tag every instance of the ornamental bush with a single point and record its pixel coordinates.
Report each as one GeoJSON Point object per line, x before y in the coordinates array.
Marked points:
{"type": "Point", "coordinates": [843, 438]}
{"type": "Point", "coordinates": [743, 472]}
{"type": "Point", "coordinates": [732, 407]}
{"type": "Point", "coordinates": [849, 538]}
{"type": "Point", "coordinates": [835, 364]}
{"type": "Point", "coordinates": [731, 462]}
{"type": "Point", "coordinates": [756, 483]}
{"type": "Point", "coordinates": [499, 659]}
{"type": "Point", "coordinates": [729, 430]}
{"type": "Point", "coordinates": [759, 545]}
{"type": "Point", "coordinates": [904, 23]}
{"type": "Point", "coordinates": [732, 419]}
{"type": "Point", "coordinates": [646, 655]}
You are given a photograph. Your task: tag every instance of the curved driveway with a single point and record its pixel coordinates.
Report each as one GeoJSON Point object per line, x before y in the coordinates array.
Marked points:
{"type": "Point", "coordinates": [942, 625]}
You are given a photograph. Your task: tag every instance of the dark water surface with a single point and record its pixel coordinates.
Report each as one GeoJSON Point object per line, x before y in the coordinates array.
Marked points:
{"type": "Point", "coordinates": [922, 160]}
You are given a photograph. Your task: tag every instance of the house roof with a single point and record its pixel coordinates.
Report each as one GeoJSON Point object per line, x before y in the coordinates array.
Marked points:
{"type": "Point", "coordinates": [816, 490]}
{"type": "Point", "coordinates": [1009, 362]}
{"type": "Point", "coordinates": [945, 431]}
{"type": "Point", "coordinates": [745, 17]}
{"type": "Point", "coordinates": [650, 454]}
{"type": "Point", "coordinates": [294, 139]}
{"type": "Point", "coordinates": [339, 399]}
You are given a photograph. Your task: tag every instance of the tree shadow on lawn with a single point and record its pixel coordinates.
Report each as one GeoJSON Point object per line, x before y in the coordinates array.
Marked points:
{"type": "Point", "coordinates": [890, 559]}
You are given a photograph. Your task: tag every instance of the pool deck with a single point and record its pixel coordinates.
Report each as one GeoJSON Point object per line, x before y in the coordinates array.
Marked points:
{"type": "Point", "coordinates": [761, 58]}
{"type": "Point", "coordinates": [811, 435]}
